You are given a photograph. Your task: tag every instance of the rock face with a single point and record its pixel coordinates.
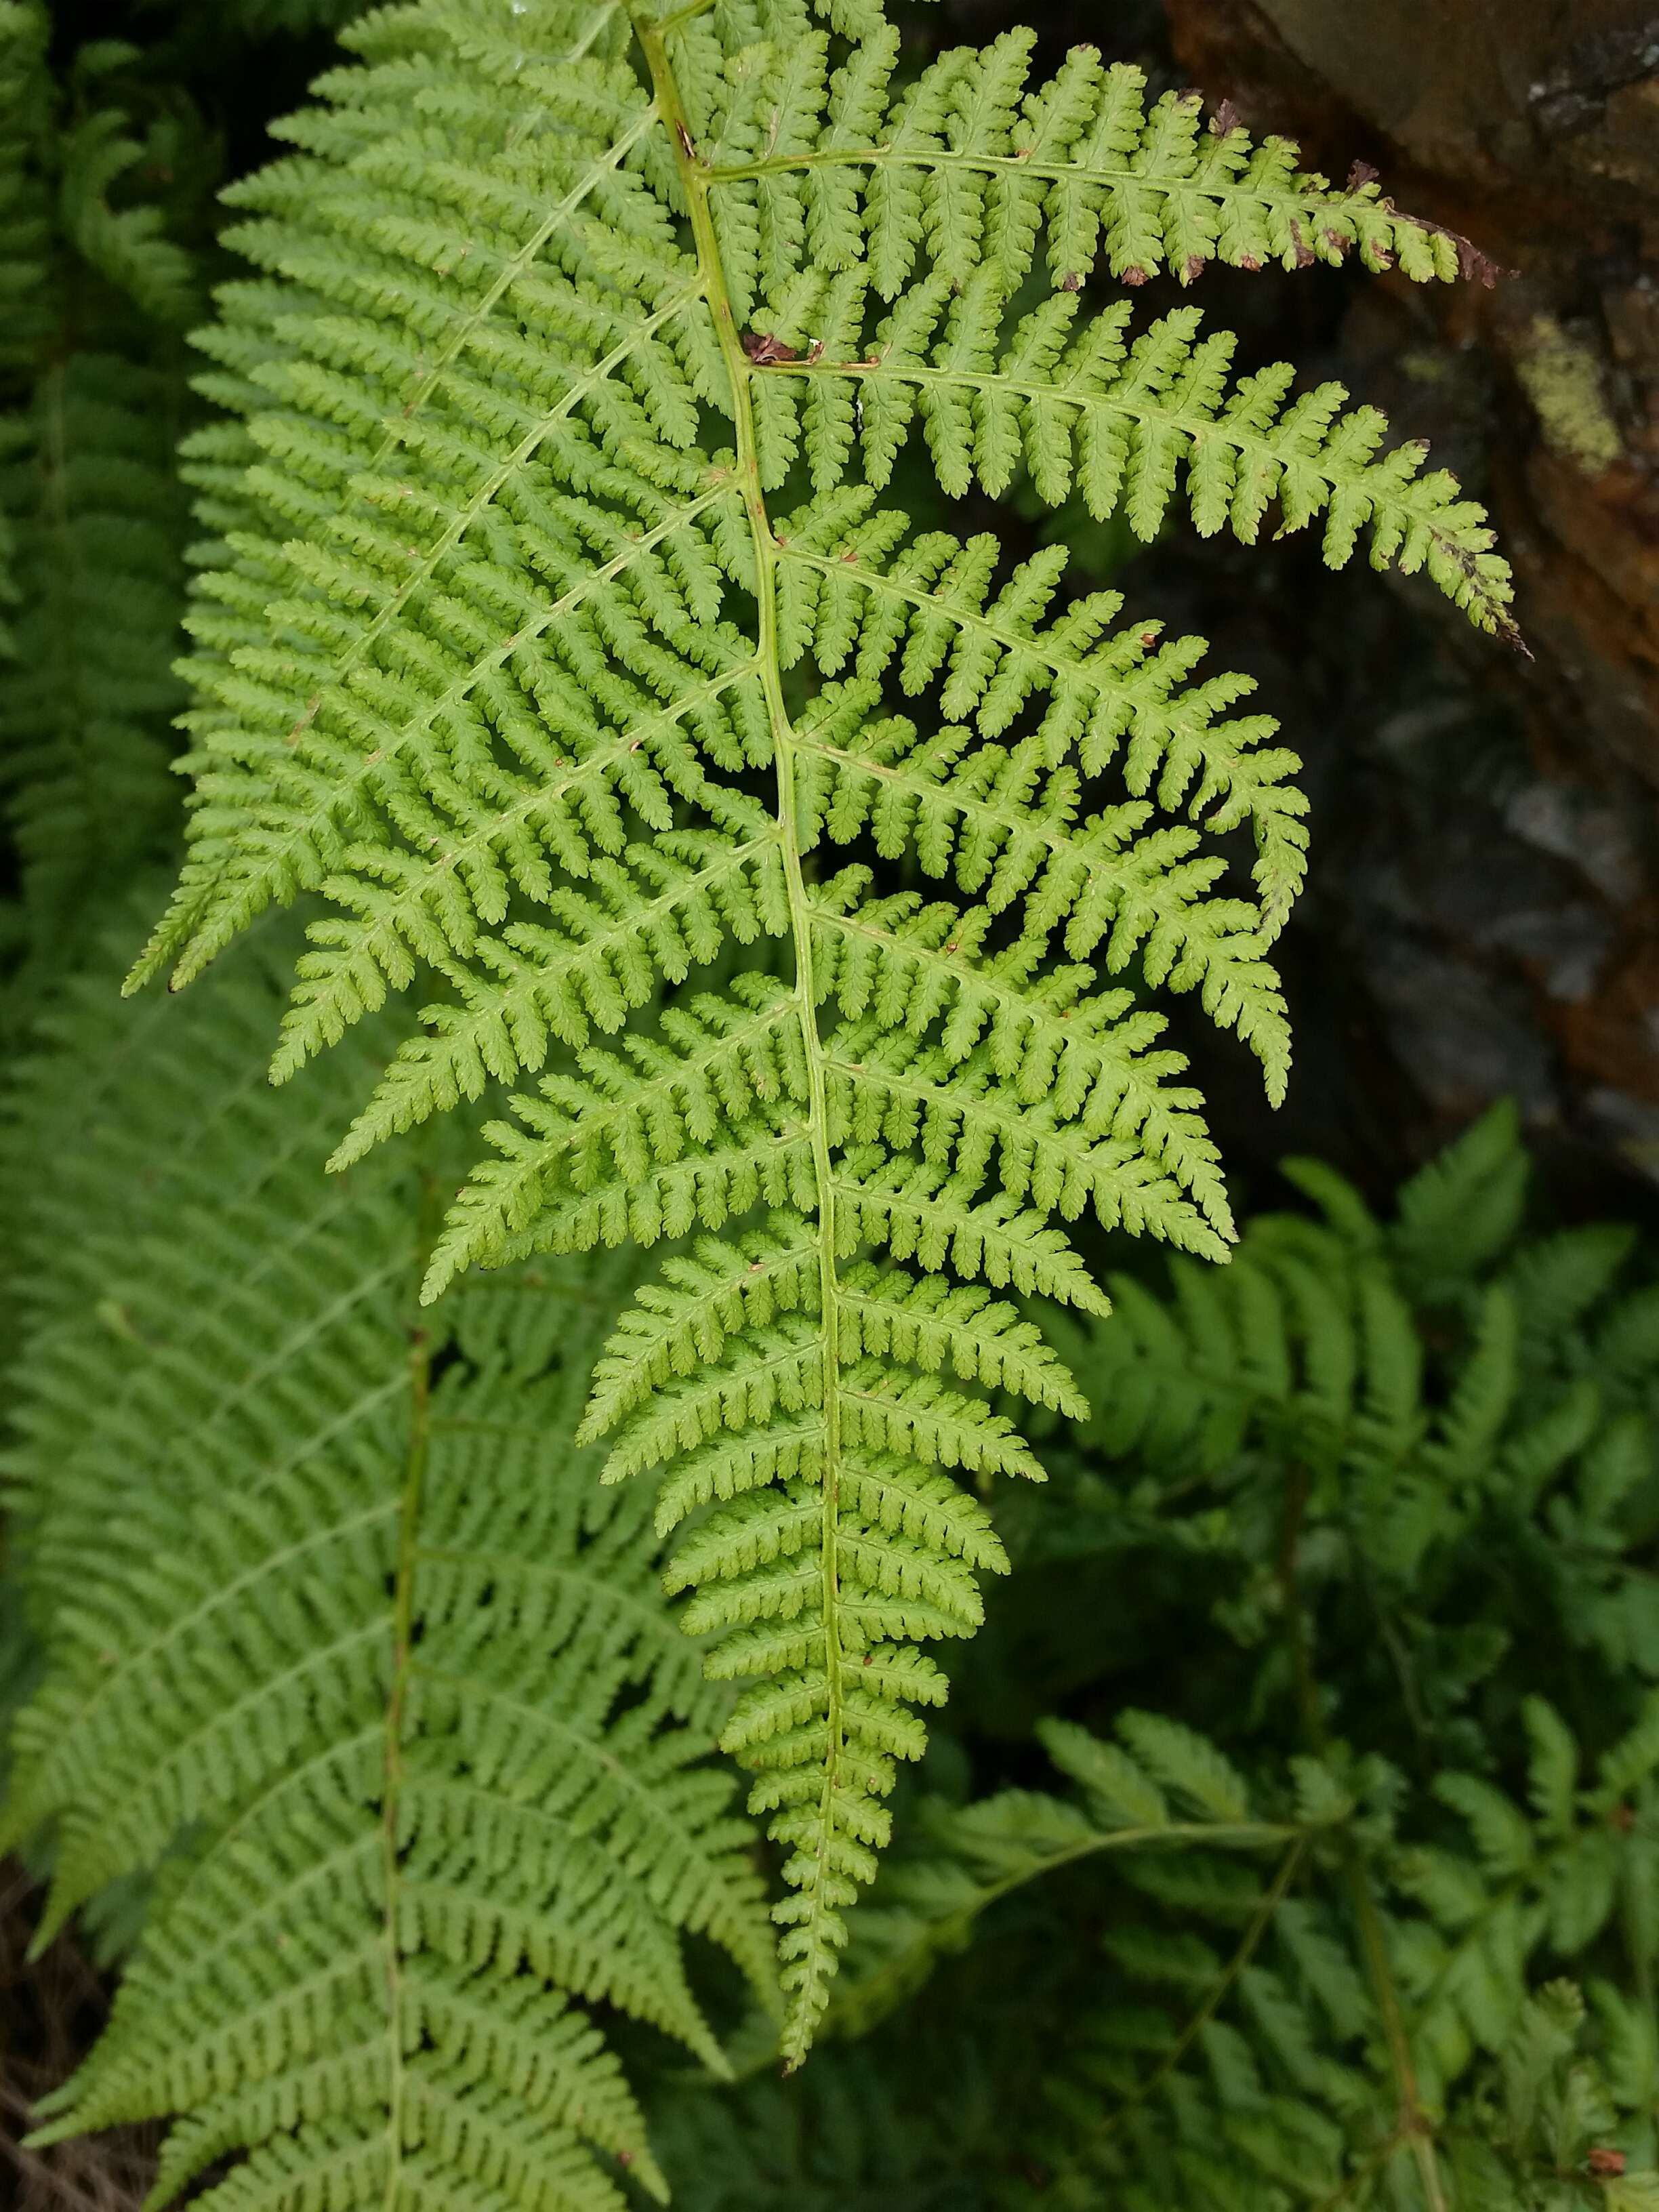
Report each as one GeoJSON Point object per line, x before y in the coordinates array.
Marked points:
{"type": "Point", "coordinates": [1529, 918]}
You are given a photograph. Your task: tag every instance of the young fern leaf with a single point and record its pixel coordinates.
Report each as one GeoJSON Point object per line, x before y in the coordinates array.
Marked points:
{"type": "Point", "coordinates": [523, 599]}
{"type": "Point", "coordinates": [345, 1650]}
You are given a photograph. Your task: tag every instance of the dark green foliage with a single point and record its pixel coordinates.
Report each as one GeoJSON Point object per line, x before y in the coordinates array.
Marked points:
{"type": "Point", "coordinates": [1381, 1500]}
{"type": "Point", "coordinates": [24, 241]}
{"type": "Point", "coordinates": [85, 705]}
{"type": "Point", "coordinates": [1464, 1418]}
{"type": "Point", "coordinates": [99, 177]}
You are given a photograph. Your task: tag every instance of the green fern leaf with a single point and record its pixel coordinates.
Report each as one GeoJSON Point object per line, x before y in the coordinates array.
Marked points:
{"type": "Point", "coordinates": [964, 1859]}
{"type": "Point", "coordinates": [92, 515]}
{"type": "Point", "coordinates": [1186, 1764]}
{"type": "Point", "coordinates": [1464, 1207]}
{"type": "Point", "coordinates": [512, 620]}
{"type": "Point", "coordinates": [128, 246]}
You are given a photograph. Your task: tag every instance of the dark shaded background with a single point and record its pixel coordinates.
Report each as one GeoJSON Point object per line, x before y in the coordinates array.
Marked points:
{"type": "Point", "coordinates": [1484, 909]}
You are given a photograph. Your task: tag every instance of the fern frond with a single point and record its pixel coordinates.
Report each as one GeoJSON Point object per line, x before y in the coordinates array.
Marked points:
{"type": "Point", "coordinates": [507, 626]}
{"type": "Point", "coordinates": [1434, 1395]}
{"type": "Point", "coordinates": [1523, 1886]}
{"type": "Point", "coordinates": [344, 1647]}
{"type": "Point", "coordinates": [125, 239]}
{"type": "Point", "coordinates": [93, 284]}
{"type": "Point", "coordinates": [1464, 1207]}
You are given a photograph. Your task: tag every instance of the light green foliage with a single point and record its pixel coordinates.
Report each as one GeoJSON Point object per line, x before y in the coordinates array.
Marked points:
{"type": "Point", "coordinates": [350, 1659]}
{"type": "Point", "coordinates": [806, 874]}
{"type": "Point", "coordinates": [557, 635]}
{"type": "Point", "coordinates": [346, 1650]}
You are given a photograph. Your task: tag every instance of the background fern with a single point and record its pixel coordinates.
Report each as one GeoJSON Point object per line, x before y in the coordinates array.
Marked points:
{"type": "Point", "coordinates": [345, 1653]}
{"type": "Point", "coordinates": [105, 179]}
{"type": "Point", "coordinates": [1202, 2017]}
{"type": "Point", "coordinates": [1369, 1450]}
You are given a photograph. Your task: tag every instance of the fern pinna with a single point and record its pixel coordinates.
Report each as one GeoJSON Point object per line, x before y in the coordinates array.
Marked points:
{"type": "Point", "coordinates": [344, 1653]}
{"type": "Point", "coordinates": [556, 632]}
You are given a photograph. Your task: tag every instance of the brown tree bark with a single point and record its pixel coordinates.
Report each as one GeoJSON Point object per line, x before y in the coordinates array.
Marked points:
{"type": "Point", "coordinates": [1532, 128]}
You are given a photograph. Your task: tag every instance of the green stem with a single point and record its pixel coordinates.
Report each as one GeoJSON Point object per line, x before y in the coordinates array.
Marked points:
{"type": "Point", "coordinates": [403, 1645]}
{"type": "Point", "coordinates": [695, 179]}
{"type": "Point", "coordinates": [1260, 1920]}
{"type": "Point", "coordinates": [1415, 2126]}
{"type": "Point", "coordinates": [1112, 177]}
{"type": "Point", "coordinates": [681, 15]}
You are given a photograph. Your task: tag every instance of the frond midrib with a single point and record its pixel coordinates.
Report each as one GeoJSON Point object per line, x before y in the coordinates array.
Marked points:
{"type": "Point", "coordinates": [695, 180]}
{"type": "Point", "coordinates": [410, 1500]}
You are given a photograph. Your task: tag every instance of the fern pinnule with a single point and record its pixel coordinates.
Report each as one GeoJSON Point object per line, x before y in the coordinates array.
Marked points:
{"type": "Point", "coordinates": [551, 535]}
